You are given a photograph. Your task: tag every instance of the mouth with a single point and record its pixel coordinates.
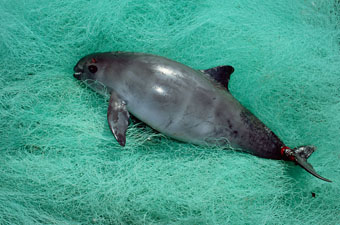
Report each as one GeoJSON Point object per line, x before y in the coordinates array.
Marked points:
{"type": "Point", "coordinates": [77, 75]}
{"type": "Point", "coordinates": [77, 72]}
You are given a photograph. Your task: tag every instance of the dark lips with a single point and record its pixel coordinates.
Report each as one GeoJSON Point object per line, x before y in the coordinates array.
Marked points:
{"type": "Point", "coordinates": [77, 72]}
{"type": "Point", "coordinates": [77, 75]}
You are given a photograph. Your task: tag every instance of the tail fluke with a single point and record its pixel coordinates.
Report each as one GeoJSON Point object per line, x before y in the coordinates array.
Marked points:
{"type": "Point", "coordinates": [300, 155]}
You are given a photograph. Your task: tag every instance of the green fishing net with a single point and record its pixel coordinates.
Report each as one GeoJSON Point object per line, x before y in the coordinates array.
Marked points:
{"type": "Point", "coordinates": [60, 164]}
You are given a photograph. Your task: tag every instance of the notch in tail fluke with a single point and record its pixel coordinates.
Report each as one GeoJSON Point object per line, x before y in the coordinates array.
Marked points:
{"type": "Point", "coordinates": [300, 155]}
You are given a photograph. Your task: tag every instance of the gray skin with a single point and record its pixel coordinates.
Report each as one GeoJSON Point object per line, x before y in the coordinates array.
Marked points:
{"type": "Point", "coordinates": [181, 102]}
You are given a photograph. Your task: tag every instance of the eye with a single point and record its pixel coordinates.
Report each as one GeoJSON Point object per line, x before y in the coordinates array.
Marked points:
{"type": "Point", "coordinates": [92, 68]}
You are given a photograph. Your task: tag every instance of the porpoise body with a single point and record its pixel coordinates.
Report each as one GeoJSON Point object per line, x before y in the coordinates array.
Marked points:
{"type": "Point", "coordinates": [183, 103]}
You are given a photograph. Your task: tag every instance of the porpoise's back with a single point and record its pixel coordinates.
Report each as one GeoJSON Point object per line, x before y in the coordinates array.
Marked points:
{"type": "Point", "coordinates": [187, 104]}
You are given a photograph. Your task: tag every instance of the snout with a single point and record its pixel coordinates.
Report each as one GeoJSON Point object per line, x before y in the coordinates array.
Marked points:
{"type": "Point", "coordinates": [77, 75]}
{"type": "Point", "coordinates": [77, 72]}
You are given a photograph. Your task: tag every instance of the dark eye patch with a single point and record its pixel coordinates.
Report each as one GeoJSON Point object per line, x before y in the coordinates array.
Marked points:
{"type": "Point", "coordinates": [92, 68]}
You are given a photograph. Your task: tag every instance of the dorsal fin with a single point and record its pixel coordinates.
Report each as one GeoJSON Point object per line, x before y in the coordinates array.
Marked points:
{"type": "Point", "coordinates": [221, 74]}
